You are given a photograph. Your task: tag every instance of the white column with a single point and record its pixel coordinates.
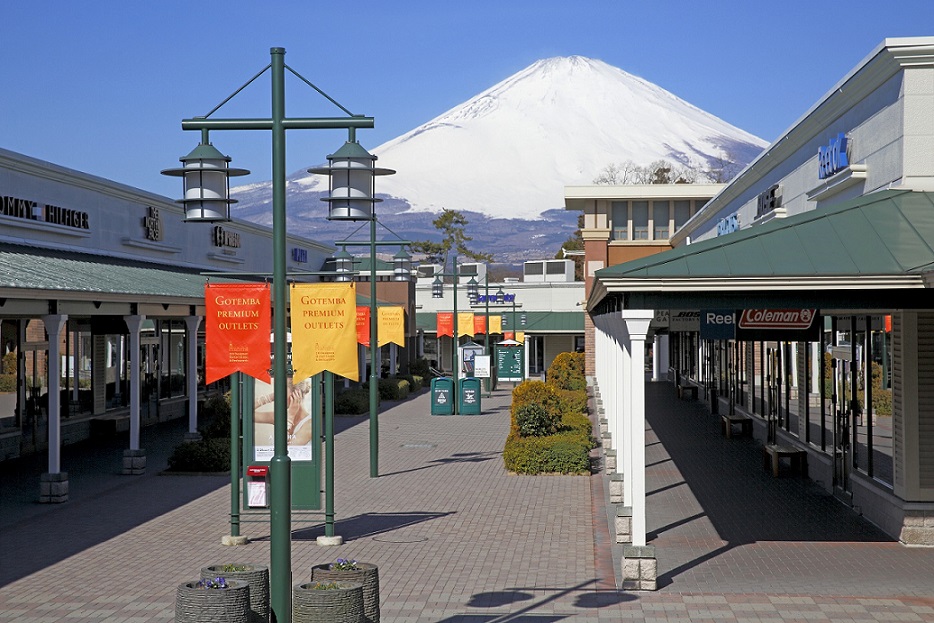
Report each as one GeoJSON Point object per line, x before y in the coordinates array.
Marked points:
{"type": "Point", "coordinates": [54, 324]}
{"type": "Point", "coordinates": [191, 326]}
{"type": "Point", "coordinates": [134, 324]}
{"type": "Point", "coordinates": [637, 325]}
{"type": "Point", "coordinates": [624, 454]}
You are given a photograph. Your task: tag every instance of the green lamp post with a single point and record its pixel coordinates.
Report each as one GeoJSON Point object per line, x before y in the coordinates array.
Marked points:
{"type": "Point", "coordinates": [206, 174]}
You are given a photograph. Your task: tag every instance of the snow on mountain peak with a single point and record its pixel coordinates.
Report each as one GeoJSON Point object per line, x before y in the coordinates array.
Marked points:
{"type": "Point", "coordinates": [510, 150]}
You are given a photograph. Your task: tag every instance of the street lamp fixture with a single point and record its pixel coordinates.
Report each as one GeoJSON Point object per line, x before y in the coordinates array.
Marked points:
{"type": "Point", "coordinates": [207, 198]}
{"type": "Point", "coordinates": [500, 296]}
{"type": "Point", "coordinates": [437, 288]}
{"type": "Point", "coordinates": [473, 290]}
{"type": "Point", "coordinates": [206, 174]}
{"type": "Point", "coordinates": [343, 265]}
{"type": "Point", "coordinates": [402, 266]}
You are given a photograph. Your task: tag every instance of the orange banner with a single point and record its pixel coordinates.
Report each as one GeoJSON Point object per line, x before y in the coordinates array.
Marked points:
{"type": "Point", "coordinates": [496, 324]}
{"type": "Point", "coordinates": [390, 326]}
{"type": "Point", "coordinates": [237, 327]}
{"type": "Point", "coordinates": [465, 323]}
{"type": "Point", "coordinates": [324, 330]}
{"type": "Point", "coordinates": [479, 325]}
{"type": "Point", "coordinates": [509, 335]}
{"type": "Point", "coordinates": [445, 324]}
{"type": "Point", "coordinates": [363, 325]}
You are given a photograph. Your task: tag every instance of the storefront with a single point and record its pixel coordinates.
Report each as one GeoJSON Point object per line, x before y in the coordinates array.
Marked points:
{"type": "Point", "coordinates": [809, 278]}
{"type": "Point", "coordinates": [102, 302]}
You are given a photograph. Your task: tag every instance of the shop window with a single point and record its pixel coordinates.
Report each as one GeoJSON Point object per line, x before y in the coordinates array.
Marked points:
{"type": "Point", "coordinates": [619, 220]}
{"type": "Point", "coordinates": [660, 218]}
{"type": "Point", "coordinates": [682, 213]}
{"type": "Point", "coordinates": [640, 220]}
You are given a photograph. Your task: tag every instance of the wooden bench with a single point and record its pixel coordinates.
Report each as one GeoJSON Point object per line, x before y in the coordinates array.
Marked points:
{"type": "Point", "coordinates": [772, 454]}
{"type": "Point", "coordinates": [687, 389]}
{"type": "Point", "coordinates": [727, 422]}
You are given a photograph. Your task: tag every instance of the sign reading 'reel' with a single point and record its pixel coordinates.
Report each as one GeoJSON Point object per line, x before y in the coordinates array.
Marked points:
{"type": "Point", "coordinates": [778, 324]}
{"type": "Point", "coordinates": [832, 158]}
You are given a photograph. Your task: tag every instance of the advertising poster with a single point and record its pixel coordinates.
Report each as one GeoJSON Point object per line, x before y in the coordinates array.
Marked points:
{"type": "Point", "coordinates": [299, 421]}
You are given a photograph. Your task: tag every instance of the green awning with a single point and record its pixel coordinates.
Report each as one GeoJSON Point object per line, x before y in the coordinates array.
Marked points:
{"type": "Point", "coordinates": [868, 252]}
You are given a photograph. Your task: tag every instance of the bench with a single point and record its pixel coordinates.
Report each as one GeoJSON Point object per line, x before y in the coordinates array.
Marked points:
{"type": "Point", "coordinates": [727, 422]}
{"type": "Point", "coordinates": [772, 454]}
{"type": "Point", "coordinates": [687, 389]}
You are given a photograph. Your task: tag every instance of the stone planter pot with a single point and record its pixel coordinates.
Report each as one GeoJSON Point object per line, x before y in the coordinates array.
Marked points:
{"type": "Point", "coordinates": [257, 576]}
{"type": "Point", "coordinates": [367, 575]}
{"type": "Point", "coordinates": [212, 605]}
{"type": "Point", "coordinates": [335, 605]}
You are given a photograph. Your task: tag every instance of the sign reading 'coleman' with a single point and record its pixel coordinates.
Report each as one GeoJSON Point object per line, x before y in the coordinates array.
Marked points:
{"type": "Point", "coordinates": [33, 211]}
{"type": "Point", "coordinates": [778, 324]}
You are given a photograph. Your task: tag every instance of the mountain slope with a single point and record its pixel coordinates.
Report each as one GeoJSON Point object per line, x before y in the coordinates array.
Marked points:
{"type": "Point", "coordinates": [509, 151]}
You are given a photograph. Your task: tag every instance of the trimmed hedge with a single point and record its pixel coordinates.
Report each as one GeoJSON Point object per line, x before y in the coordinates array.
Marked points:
{"type": "Point", "coordinates": [206, 455]}
{"type": "Point", "coordinates": [352, 401]}
{"type": "Point", "coordinates": [7, 383]}
{"type": "Point", "coordinates": [550, 430]}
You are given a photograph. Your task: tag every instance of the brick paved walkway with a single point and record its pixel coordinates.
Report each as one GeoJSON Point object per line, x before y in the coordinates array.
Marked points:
{"type": "Point", "coordinates": [457, 540]}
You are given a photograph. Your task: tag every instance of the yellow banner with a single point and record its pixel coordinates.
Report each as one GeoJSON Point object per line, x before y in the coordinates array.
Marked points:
{"type": "Point", "coordinates": [324, 330]}
{"type": "Point", "coordinates": [520, 337]}
{"type": "Point", "coordinates": [391, 326]}
{"type": "Point", "coordinates": [464, 323]}
{"type": "Point", "coordinates": [496, 324]}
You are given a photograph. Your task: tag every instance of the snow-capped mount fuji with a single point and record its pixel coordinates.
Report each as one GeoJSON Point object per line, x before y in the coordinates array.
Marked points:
{"type": "Point", "coordinates": [508, 152]}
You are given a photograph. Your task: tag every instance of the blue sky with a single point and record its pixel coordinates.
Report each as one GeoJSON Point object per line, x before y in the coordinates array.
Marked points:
{"type": "Point", "coordinates": [102, 86]}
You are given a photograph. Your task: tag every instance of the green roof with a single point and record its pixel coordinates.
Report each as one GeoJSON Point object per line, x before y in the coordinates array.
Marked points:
{"type": "Point", "coordinates": [67, 272]}
{"type": "Point", "coordinates": [846, 254]}
{"type": "Point", "coordinates": [885, 233]}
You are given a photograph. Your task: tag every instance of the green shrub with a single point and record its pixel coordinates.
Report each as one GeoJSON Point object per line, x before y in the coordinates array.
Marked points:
{"type": "Point", "coordinates": [215, 418]}
{"type": "Point", "coordinates": [8, 363]}
{"type": "Point", "coordinates": [420, 368]}
{"type": "Point", "coordinates": [7, 383]}
{"type": "Point", "coordinates": [573, 400]}
{"type": "Point", "coordinates": [534, 420]}
{"type": "Point", "coordinates": [352, 401]}
{"type": "Point", "coordinates": [206, 455]}
{"type": "Point", "coordinates": [415, 382]}
{"type": "Point", "coordinates": [580, 424]}
{"type": "Point", "coordinates": [564, 453]}
{"type": "Point", "coordinates": [567, 372]}
{"type": "Point", "coordinates": [535, 392]}
{"type": "Point", "coordinates": [392, 389]}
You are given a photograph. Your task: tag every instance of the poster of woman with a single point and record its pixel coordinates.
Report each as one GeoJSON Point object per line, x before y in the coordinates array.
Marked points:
{"type": "Point", "coordinates": [298, 420]}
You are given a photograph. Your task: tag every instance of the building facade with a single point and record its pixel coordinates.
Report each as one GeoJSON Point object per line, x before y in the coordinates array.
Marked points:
{"type": "Point", "coordinates": [799, 296]}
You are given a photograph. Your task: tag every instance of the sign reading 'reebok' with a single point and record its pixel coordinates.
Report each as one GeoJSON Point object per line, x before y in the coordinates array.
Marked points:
{"type": "Point", "coordinates": [324, 330]}
{"type": "Point", "coordinates": [778, 324]}
{"type": "Point", "coordinates": [237, 329]}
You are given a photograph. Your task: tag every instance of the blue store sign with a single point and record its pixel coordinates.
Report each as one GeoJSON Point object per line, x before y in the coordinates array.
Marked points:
{"type": "Point", "coordinates": [717, 324]}
{"type": "Point", "coordinates": [832, 158]}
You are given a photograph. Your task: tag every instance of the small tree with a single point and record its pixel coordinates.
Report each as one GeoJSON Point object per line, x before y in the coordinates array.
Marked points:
{"type": "Point", "coordinates": [452, 225]}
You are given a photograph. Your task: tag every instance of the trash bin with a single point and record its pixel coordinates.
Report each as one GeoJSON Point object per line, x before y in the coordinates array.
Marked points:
{"type": "Point", "coordinates": [442, 396]}
{"type": "Point", "coordinates": [257, 486]}
{"type": "Point", "coordinates": [469, 398]}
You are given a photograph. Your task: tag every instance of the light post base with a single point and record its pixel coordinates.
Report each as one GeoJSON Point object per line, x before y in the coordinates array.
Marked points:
{"type": "Point", "coordinates": [234, 540]}
{"type": "Point", "coordinates": [330, 541]}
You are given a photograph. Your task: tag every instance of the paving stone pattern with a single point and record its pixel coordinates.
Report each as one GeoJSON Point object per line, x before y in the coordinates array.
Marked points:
{"type": "Point", "coordinates": [459, 540]}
